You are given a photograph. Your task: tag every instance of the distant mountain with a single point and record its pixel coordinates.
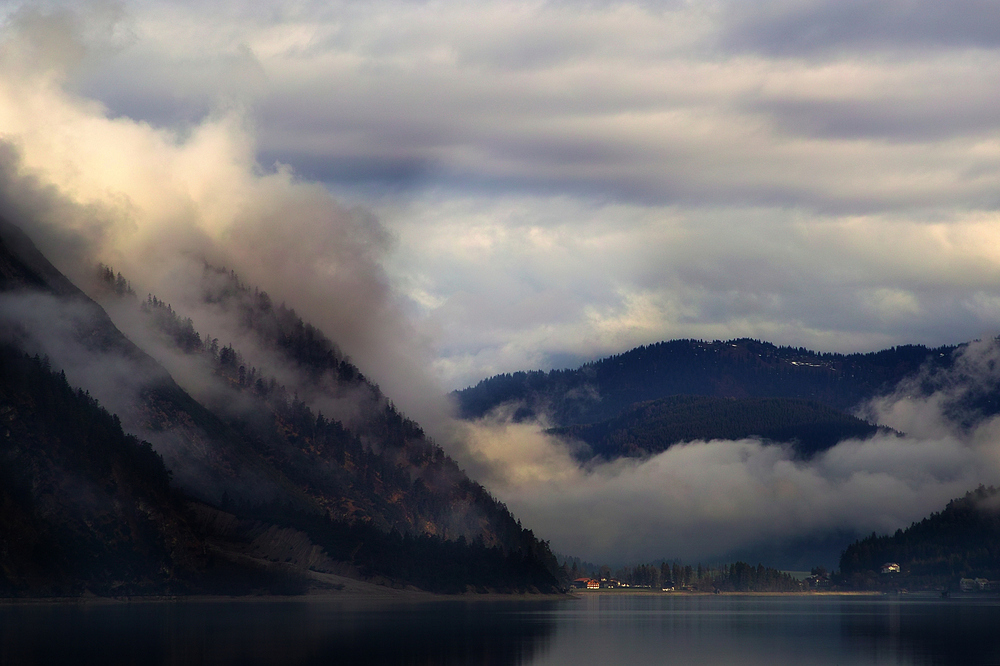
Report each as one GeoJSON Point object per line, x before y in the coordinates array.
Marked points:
{"type": "Point", "coordinates": [742, 368]}
{"type": "Point", "coordinates": [651, 427]}
{"type": "Point", "coordinates": [262, 485]}
{"type": "Point", "coordinates": [961, 541]}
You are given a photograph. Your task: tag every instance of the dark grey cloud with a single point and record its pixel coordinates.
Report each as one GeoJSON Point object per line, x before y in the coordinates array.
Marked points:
{"type": "Point", "coordinates": [608, 100]}
{"type": "Point", "coordinates": [380, 172]}
{"type": "Point", "coordinates": [974, 113]}
{"type": "Point", "coordinates": [789, 28]}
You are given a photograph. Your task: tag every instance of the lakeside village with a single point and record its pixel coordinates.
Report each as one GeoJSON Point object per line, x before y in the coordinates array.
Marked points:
{"type": "Point", "coordinates": [738, 577]}
{"type": "Point", "coordinates": [671, 577]}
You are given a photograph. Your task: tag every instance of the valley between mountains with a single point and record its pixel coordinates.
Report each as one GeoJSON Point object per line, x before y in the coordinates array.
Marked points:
{"type": "Point", "coordinates": [237, 450]}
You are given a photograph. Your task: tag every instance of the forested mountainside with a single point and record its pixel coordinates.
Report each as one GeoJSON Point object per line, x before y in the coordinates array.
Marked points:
{"type": "Point", "coordinates": [252, 472]}
{"type": "Point", "coordinates": [82, 504]}
{"type": "Point", "coordinates": [651, 427]}
{"type": "Point", "coordinates": [42, 309]}
{"type": "Point", "coordinates": [379, 469]}
{"type": "Point", "coordinates": [741, 368]}
{"type": "Point", "coordinates": [961, 541]}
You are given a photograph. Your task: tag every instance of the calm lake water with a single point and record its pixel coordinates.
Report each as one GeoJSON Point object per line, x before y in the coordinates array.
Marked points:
{"type": "Point", "coordinates": [599, 629]}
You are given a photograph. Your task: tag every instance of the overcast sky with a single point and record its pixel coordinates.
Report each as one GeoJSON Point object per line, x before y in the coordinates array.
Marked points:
{"type": "Point", "coordinates": [456, 189]}
{"type": "Point", "coordinates": [560, 181]}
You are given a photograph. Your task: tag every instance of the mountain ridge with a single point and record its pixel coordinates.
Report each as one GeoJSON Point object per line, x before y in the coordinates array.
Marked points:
{"type": "Point", "coordinates": [739, 368]}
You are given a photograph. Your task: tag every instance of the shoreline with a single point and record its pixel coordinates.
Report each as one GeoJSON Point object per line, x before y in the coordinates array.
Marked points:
{"type": "Point", "coordinates": [802, 593]}
{"type": "Point", "coordinates": [363, 593]}
{"type": "Point", "coordinates": [326, 588]}
{"type": "Point", "coordinates": [416, 597]}
{"type": "Point", "coordinates": [338, 590]}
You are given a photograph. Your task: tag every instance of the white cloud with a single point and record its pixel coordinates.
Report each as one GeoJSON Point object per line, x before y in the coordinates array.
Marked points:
{"type": "Point", "coordinates": [705, 500]}
{"type": "Point", "coordinates": [515, 283]}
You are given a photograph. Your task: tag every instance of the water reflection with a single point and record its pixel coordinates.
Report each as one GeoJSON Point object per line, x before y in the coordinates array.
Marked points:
{"type": "Point", "coordinates": [917, 630]}
{"type": "Point", "coordinates": [289, 632]}
{"type": "Point", "coordinates": [774, 631]}
{"type": "Point", "coordinates": [597, 629]}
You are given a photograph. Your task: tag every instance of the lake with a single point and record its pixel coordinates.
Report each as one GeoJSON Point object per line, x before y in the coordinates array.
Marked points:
{"type": "Point", "coordinates": [597, 629]}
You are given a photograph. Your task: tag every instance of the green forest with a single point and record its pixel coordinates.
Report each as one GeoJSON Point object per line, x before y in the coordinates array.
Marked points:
{"type": "Point", "coordinates": [961, 541]}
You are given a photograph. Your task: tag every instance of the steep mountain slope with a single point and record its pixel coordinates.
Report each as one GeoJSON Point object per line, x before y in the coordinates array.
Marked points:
{"type": "Point", "coordinates": [378, 467]}
{"type": "Point", "coordinates": [82, 505]}
{"type": "Point", "coordinates": [963, 540]}
{"type": "Point", "coordinates": [42, 312]}
{"type": "Point", "coordinates": [652, 427]}
{"type": "Point", "coordinates": [373, 498]}
{"type": "Point", "coordinates": [86, 508]}
{"type": "Point", "coordinates": [734, 369]}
